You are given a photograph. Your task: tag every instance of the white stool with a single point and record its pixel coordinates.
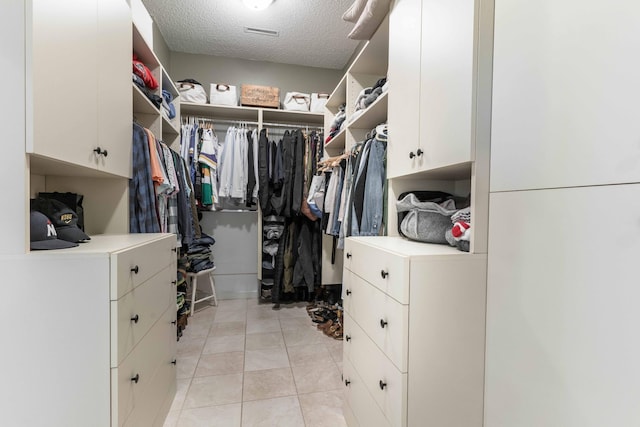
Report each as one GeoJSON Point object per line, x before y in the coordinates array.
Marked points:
{"type": "Point", "coordinates": [193, 284]}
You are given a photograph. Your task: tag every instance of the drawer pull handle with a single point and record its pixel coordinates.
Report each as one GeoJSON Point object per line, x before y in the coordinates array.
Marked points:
{"type": "Point", "coordinates": [419, 152]}
{"type": "Point", "coordinates": [412, 155]}
{"type": "Point", "coordinates": [347, 337]}
{"type": "Point", "coordinates": [174, 361]}
{"type": "Point", "coordinates": [384, 274]}
{"type": "Point", "coordinates": [348, 254]}
{"type": "Point", "coordinates": [135, 318]}
{"type": "Point", "coordinates": [175, 322]}
{"type": "Point", "coordinates": [174, 250]}
{"type": "Point", "coordinates": [136, 378]}
{"type": "Point", "coordinates": [173, 282]}
{"type": "Point", "coordinates": [348, 292]}
{"type": "Point", "coordinates": [347, 382]}
{"type": "Point", "coordinates": [382, 385]}
{"type": "Point", "coordinates": [100, 151]}
{"type": "Point", "coordinates": [135, 270]}
{"type": "Point", "coordinates": [383, 323]}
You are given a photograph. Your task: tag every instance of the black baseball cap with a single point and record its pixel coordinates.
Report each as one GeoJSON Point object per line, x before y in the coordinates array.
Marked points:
{"type": "Point", "coordinates": [43, 234]}
{"type": "Point", "coordinates": [63, 218]}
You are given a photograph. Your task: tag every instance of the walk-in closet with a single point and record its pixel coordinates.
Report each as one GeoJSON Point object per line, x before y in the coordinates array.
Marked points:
{"type": "Point", "coordinates": [344, 213]}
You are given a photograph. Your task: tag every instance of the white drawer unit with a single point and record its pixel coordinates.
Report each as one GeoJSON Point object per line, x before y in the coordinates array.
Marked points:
{"type": "Point", "coordinates": [121, 372]}
{"type": "Point", "coordinates": [417, 361]}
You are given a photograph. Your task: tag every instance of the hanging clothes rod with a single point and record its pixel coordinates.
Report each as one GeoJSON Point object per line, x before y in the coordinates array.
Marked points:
{"type": "Point", "coordinates": [248, 122]}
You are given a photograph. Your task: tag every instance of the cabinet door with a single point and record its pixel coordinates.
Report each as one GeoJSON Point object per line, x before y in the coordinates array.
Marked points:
{"type": "Point", "coordinates": [404, 79]}
{"type": "Point", "coordinates": [562, 308]}
{"type": "Point", "coordinates": [566, 90]}
{"type": "Point", "coordinates": [63, 80]}
{"type": "Point", "coordinates": [114, 87]}
{"type": "Point", "coordinates": [446, 83]}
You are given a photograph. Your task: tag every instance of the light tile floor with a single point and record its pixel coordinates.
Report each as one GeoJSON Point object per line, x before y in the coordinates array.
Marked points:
{"type": "Point", "coordinates": [243, 364]}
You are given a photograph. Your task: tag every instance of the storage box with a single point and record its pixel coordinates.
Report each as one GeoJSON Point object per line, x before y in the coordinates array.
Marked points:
{"type": "Point", "coordinates": [260, 96]}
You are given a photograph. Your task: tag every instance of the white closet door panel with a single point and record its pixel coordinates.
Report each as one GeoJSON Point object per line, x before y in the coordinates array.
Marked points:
{"type": "Point", "coordinates": [565, 94]}
{"type": "Point", "coordinates": [114, 86]}
{"type": "Point", "coordinates": [446, 87]}
{"type": "Point", "coordinates": [404, 80]}
{"type": "Point", "coordinates": [562, 312]}
{"type": "Point", "coordinates": [64, 83]}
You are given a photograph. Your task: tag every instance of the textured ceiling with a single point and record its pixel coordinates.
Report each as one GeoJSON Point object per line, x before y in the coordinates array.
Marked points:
{"type": "Point", "coordinates": [312, 32]}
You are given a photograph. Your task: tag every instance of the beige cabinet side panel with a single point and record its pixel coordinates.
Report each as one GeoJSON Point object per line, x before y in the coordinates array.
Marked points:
{"type": "Point", "coordinates": [446, 341]}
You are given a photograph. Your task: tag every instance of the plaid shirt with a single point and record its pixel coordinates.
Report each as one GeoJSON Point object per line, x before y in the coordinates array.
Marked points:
{"type": "Point", "coordinates": [142, 197]}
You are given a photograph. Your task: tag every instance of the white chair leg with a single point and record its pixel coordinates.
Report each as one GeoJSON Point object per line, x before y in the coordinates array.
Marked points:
{"type": "Point", "coordinates": [213, 289]}
{"type": "Point", "coordinates": [193, 281]}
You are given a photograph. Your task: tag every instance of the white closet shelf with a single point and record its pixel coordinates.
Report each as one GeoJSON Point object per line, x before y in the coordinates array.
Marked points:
{"type": "Point", "coordinates": [143, 51]}
{"type": "Point", "coordinates": [338, 96]}
{"type": "Point", "coordinates": [141, 103]}
{"type": "Point", "coordinates": [47, 166]}
{"type": "Point", "coordinates": [219, 111]}
{"type": "Point", "coordinates": [461, 171]}
{"type": "Point", "coordinates": [297, 117]}
{"type": "Point", "coordinates": [375, 114]}
{"type": "Point", "coordinates": [167, 84]}
{"type": "Point", "coordinates": [374, 56]}
{"type": "Point", "coordinates": [171, 127]}
{"type": "Point", "coordinates": [337, 143]}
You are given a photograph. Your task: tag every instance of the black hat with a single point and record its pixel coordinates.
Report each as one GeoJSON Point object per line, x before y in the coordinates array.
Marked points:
{"type": "Point", "coordinates": [43, 234]}
{"type": "Point", "coordinates": [63, 218]}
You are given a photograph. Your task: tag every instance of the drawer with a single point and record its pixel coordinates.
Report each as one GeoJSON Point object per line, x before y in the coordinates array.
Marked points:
{"type": "Point", "coordinates": [382, 318]}
{"type": "Point", "coordinates": [385, 383]}
{"type": "Point", "coordinates": [361, 403]}
{"type": "Point", "coordinates": [146, 303]}
{"type": "Point", "coordinates": [151, 406]}
{"type": "Point", "coordinates": [134, 266]}
{"type": "Point", "coordinates": [154, 351]}
{"type": "Point", "coordinates": [388, 271]}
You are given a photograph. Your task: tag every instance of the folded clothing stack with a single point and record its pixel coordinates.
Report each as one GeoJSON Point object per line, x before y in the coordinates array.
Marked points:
{"type": "Point", "coordinates": [199, 254]}
{"type": "Point", "coordinates": [336, 125]}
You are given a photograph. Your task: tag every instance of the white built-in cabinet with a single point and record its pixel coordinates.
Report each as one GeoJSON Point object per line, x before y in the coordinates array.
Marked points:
{"type": "Point", "coordinates": [563, 233]}
{"type": "Point", "coordinates": [92, 332]}
{"type": "Point", "coordinates": [81, 104]}
{"type": "Point", "coordinates": [414, 312]}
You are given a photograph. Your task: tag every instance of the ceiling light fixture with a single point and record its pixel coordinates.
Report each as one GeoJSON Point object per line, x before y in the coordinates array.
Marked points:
{"type": "Point", "coordinates": [257, 4]}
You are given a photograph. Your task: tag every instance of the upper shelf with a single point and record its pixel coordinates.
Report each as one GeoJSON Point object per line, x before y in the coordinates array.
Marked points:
{"type": "Point", "coordinates": [220, 111]}
{"type": "Point", "coordinates": [374, 56]}
{"type": "Point", "coordinates": [283, 116]}
{"type": "Point", "coordinates": [375, 114]}
{"type": "Point", "coordinates": [337, 144]}
{"type": "Point", "coordinates": [251, 114]}
{"type": "Point", "coordinates": [338, 96]}
{"type": "Point", "coordinates": [143, 50]}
